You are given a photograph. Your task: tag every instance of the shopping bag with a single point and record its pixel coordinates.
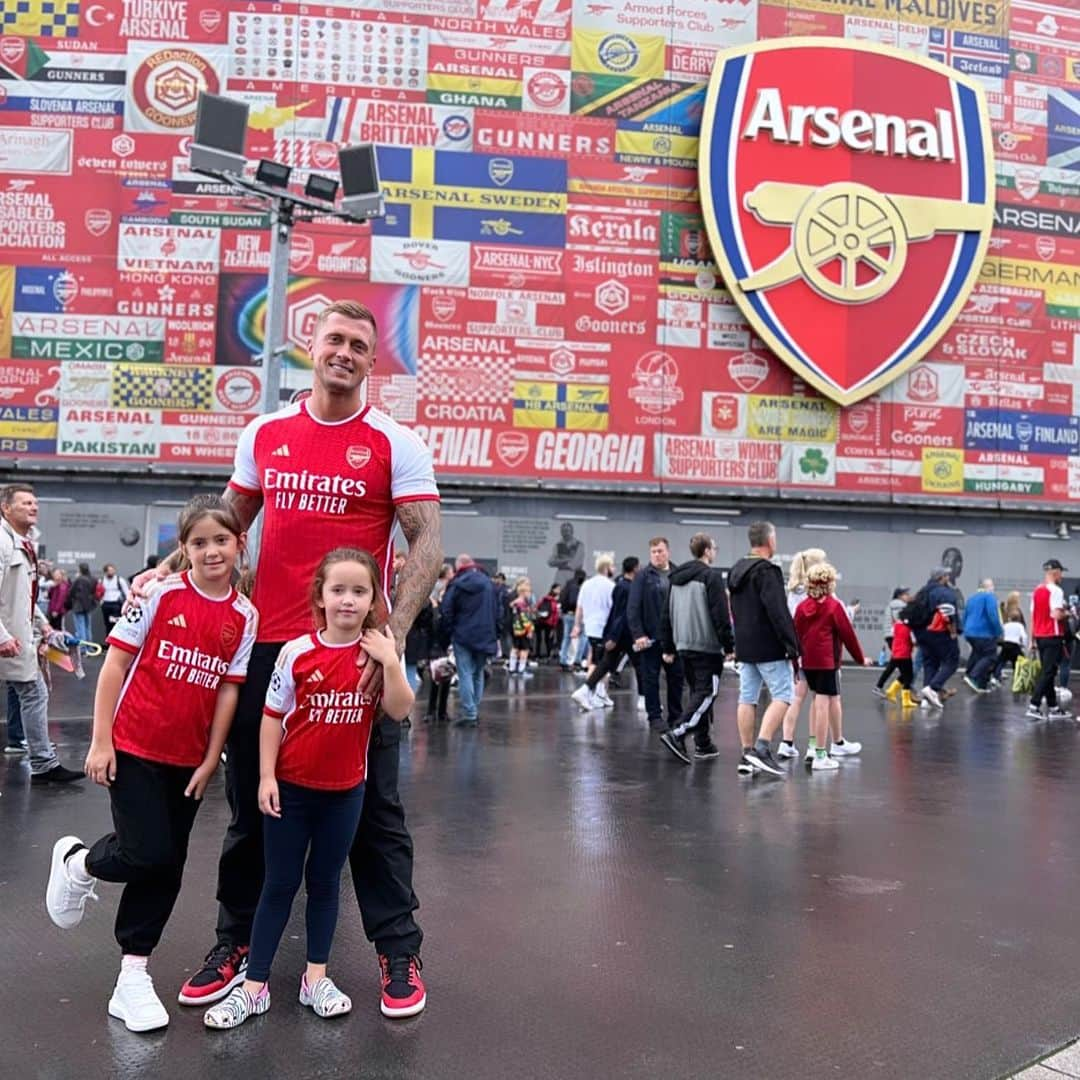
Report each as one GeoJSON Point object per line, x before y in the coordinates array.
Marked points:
{"type": "Point", "coordinates": [1025, 675]}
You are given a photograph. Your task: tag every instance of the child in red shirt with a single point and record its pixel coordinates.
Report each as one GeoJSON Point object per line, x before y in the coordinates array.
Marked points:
{"type": "Point", "coordinates": [164, 704]}
{"type": "Point", "coordinates": [313, 756]}
{"type": "Point", "coordinates": [823, 626]}
{"type": "Point", "coordinates": [903, 647]}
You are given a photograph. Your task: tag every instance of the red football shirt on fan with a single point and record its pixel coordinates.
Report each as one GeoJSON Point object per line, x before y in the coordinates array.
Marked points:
{"type": "Point", "coordinates": [1043, 601]}
{"type": "Point", "coordinates": [325, 719]}
{"type": "Point", "coordinates": [185, 644]}
{"type": "Point", "coordinates": [324, 485]}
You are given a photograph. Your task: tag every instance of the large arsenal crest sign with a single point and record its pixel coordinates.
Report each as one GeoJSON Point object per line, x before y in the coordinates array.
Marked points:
{"type": "Point", "coordinates": [848, 194]}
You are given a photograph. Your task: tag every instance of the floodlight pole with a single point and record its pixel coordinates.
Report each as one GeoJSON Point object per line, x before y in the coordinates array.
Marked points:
{"type": "Point", "coordinates": [282, 221]}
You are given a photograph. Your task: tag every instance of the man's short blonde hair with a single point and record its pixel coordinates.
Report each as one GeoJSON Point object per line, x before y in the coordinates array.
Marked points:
{"type": "Point", "coordinates": [605, 564]}
{"type": "Point", "coordinates": [351, 309]}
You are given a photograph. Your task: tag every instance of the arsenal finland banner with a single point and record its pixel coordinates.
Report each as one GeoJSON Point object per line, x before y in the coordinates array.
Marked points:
{"type": "Point", "coordinates": [848, 194]}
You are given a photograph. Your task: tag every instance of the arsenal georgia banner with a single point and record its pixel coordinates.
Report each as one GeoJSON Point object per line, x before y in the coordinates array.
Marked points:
{"type": "Point", "coordinates": [848, 191]}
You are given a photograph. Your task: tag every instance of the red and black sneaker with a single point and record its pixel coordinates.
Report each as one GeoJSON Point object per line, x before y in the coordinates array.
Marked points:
{"type": "Point", "coordinates": [403, 991]}
{"type": "Point", "coordinates": [223, 968]}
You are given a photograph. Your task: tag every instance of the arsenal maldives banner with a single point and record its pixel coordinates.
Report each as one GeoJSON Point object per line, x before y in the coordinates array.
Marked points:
{"type": "Point", "coordinates": [866, 286]}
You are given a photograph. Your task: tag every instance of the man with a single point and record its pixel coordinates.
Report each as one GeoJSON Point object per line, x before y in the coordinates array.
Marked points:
{"type": "Point", "coordinates": [470, 622]}
{"type": "Point", "coordinates": [648, 598]}
{"type": "Point", "coordinates": [502, 605]}
{"type": "Point", "coordinates": [983, 630]}
{"type": "Point", "coordinates": [615, 637]}
{"type": "Point", "coordinates": [568, 554]}
{"type": "Point", "coordinates": [327, 472]}
{"type": "Point", "coordinates": [23, 629]}
{"type": "Point", "coordinates": [570, 652]}
{"type": "Point", "coordinates": [696, 624]}
{"type": "Point", "coordinates": [591, 613]}
{"type": "Point", "coordinates": [766, 647]}
{"type": "Point", "coordinates": [1049, 621]}
{"type": "Point", "coordinates": [939, 639]}
{"type": "Point", "coordinates": [83, 600]}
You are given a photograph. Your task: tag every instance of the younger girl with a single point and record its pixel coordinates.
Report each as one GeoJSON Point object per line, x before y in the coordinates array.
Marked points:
{"type": "Point", "coordinates": [164, 704]}
{"type": "Point", "coordinates": [523, 623]}
{"type": "Point", "coordinates": [823, 625]}
{"type": "Point", "coordinates": [313, 755]}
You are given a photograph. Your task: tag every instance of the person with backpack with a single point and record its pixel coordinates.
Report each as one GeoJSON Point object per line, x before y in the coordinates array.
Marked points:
{"type": "Point", "coordinates": [934, 617]}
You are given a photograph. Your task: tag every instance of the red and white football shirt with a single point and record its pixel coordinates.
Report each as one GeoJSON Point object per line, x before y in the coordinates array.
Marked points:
{"type": "Point", "coordinates": [1043, 601]}
{"type": "Point", "coordinates": [185, 644]}
{"type": "Point", "coordinates": [326, 720]}
{"type": "Point", "coordinates": [324, 485]}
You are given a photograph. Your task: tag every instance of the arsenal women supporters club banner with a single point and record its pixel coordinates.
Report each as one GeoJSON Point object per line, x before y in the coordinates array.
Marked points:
{"type": "Point", "coordinates": [810, 246]}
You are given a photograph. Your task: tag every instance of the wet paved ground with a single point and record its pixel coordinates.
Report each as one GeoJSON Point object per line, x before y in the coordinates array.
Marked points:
{"type": "Point", "coordinates": [594, 908]}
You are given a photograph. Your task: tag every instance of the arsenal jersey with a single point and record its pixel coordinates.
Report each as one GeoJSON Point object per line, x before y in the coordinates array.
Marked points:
{"type": "Point", "coordinates": [186, 644]}
{"type": "Point", "coordinates": [324, 485]}
{"type": "Point", "coordinates": [325, 719]}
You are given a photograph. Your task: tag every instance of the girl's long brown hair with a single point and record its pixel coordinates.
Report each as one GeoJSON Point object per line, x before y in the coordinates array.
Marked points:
{"type": "Point", "coordinates": [213, 506]}
{"type": "Point", "coordinates": [377, 613]}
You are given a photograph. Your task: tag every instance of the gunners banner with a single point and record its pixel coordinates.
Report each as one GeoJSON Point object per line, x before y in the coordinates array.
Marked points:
{"type": "Point", "coordinates": [847, 191]}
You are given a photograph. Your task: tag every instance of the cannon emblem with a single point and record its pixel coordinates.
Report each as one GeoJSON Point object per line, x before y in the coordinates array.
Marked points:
{"type": "Point", "coordinates": [848, 241]}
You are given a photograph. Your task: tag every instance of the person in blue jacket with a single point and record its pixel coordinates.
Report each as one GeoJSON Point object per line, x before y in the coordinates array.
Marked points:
{"type": "Point", "coordinates": [469, 620]}
{"type": "Point", "coordinates": [982, 628]}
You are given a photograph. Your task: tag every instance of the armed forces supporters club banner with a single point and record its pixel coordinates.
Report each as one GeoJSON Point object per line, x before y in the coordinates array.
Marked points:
{"type": "Point", "coordinates": [823, 246]}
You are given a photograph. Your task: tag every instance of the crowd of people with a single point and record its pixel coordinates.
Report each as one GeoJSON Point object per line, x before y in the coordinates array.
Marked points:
{"type": "Point", "coordinates": [302, 687]}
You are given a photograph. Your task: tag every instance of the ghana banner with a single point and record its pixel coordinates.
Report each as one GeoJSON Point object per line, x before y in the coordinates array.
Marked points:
{"type": "Point", "coordinates": [626, 242]}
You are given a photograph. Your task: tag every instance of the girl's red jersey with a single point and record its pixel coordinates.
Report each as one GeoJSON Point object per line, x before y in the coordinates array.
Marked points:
{"type": "Point", "coordinates": [186, 644]}
{"type": "Point", "coordinates": [901, 642]}
{"type": "Point", "coordinates": [325, 719]}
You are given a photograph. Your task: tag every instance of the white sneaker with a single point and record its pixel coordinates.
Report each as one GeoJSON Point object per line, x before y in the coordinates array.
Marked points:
{"type": "Point", "coordinates": [324, 997]}
{"type": "Point", "coordinates": [65, 898]}
{"type": "Point", "coordinates": [585, 699]}
{"type": "Point", "coordinates": [811, 753]}
{"type": "Point", "coordinates": [783, 750]}
{"type": "Point", "coordinates": [823, 761]}
{"type": "Point", "coordinates": [136, 1003]}
{"type": "Point", "coordinates": [604, 698]}
{"type": "Point", "coordinates": [232, 1011]}
{"type": "Point", "coordinates": [641, 706]}
{"type": "Point", "coordinates": [848, 748]}
{"type": "Point", "coordinates": [930, 696]}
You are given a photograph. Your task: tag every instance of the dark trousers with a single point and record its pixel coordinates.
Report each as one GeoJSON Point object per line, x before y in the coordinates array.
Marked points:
{"type": "Point", "coordinates": [703, 671]}
{"type": "Point", "coordinates": [1009, 652]}
{"type": "Point", "coordinates": [611, 661]}
{"type": "Point", "coordinates": [438, 696]}
{"type": "Point", "coordinates": [1068, 650]}
{"type": "Point", "coordinates": [310, 840]}
{"type": "Point", "coordinates": [904, 670]}
{"type": "Point", "coordinates": [381, 856]}
{"type": "Point", "coordinates": [110, 612]}
{"type": "Point", "coordinates": [1050, 653]}
{"type": "Point", "coordinates": [651, 661]}
{"type": "Point", "coordinates": [152, 818]}
{"type": "Point", "coordinates": [981, 662]}
{"type": "Point", "coordinates": [941, 657]}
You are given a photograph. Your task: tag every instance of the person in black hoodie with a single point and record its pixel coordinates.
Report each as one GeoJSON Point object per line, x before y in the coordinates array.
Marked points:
{"type": "Point", "coordinates": [616, 638]}
{"type": "Point", "coordinates": [697, 624]}
{"type": "Point", "coordinates": [648, 598]}
{"type": "Point", "coordinates": [766, 647]}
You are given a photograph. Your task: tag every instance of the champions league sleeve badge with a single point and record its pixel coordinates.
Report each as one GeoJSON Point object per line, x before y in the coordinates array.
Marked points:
{"type": "Point", "coordinates": [848, 192]}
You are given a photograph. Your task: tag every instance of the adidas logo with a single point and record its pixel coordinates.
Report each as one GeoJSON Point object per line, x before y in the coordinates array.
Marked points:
{"type": "Point", "coordinates": [316, 676]}
{"type": "Point", "coordinates": [179, 620]}
{"type": "Point", "coordinates": [281, 451]}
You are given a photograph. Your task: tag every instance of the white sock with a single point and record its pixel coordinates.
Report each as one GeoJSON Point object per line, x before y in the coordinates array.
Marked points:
{"type": "Point", "coordinates": [133, 963]}
{"type": "Point", "coordinates": [76, 867]}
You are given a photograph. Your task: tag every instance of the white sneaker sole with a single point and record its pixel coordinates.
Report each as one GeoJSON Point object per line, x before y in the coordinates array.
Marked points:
{"type": "Point", "coordinates": [403, 1013]}
{"type": "Point", "coordinates": [815, 767]}
{"type": "Point", "coordinates": [55, 888]}
{"type": "Point", "coordinates": [117, 1010]}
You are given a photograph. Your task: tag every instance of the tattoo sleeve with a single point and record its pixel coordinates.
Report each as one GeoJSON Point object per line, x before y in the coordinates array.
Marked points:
{"type": "Point", "coordinates": [246, 506]}
{"type": "Point", "coordinates": [421, 522]}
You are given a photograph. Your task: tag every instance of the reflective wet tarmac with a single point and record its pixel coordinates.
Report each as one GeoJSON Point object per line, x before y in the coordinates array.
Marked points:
{"type": "Point", "coordinates": [594, 908]}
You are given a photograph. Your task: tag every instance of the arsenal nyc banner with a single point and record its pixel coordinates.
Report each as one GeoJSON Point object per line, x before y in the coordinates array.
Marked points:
{"type": "Point", "coordinates": [848, 195]}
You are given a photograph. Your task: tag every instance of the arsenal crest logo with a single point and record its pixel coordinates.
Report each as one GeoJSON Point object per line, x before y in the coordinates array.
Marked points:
{"type": "Point", "coordinates": [358, 456]}
{"type": "Point", "coordinates": [848, 193]}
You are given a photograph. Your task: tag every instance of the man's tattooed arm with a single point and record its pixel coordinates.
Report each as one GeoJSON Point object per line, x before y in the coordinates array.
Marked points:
{"type": "Point", "coordinates": [421, 522]}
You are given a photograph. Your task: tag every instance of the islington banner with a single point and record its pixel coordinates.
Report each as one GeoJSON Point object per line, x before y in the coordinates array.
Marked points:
{"type": "Point", "coordinates": [552, 306]}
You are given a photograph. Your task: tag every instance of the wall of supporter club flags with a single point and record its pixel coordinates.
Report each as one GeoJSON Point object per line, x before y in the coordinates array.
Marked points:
{"type": "Point", "coordinates": [547, 298]}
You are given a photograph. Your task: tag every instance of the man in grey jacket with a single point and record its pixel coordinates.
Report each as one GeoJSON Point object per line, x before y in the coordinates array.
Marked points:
{"type": "Point", "coordinates": [696, 623]}
{"type": "Point", "coordinates": [22, 629]}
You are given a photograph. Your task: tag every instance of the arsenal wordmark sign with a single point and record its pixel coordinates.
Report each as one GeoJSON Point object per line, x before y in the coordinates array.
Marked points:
{"type": "Point", "coordinates": [848, 193]}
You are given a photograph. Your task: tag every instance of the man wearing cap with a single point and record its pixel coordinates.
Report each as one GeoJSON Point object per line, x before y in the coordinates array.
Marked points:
{"type": "Point", "coordinates": [938, 640]}
{"type": "Point", "coordinates": [1049, 620]}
